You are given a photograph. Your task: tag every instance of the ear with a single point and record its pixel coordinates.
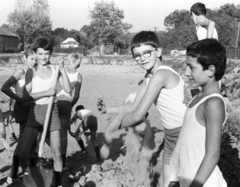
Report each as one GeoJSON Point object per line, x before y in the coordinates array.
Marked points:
{"type": "Point", "coordinates": [211, 71]}
{"type": "Point", "coordinates": [159, 52]}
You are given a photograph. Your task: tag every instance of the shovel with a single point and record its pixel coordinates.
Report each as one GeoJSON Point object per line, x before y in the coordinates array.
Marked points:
{"type": "Point", "coordinates": [42, 177]}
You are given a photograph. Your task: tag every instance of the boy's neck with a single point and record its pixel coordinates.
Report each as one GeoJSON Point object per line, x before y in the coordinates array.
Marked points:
{"type": "Point", "coordinates": [211, 88]}
{"type": "Point", "coordinates": [155, 67]}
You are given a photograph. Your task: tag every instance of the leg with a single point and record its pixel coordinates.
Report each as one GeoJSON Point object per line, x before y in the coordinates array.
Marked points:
{"type": "Point", "coordinates": [22, 126]}
{"type": "Point", "coordinates": [95, 144]}
{"type": "Point", "coordinates": [26, 144]}
{"type": "Point", "coordinates": [78, 138]}
{"type": "Point", "coordinates": [55, 145]}
{"type": "Point", "coordinates": [166, 175]}
{"type": "Point", "coordinates": [3, 132]}
{"type": "Point", "coordinates": [64, 139]}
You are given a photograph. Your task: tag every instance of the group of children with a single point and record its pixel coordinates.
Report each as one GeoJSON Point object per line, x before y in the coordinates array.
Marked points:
{"type": "Point", "coordinates": [192, 126]}
{"type": "Point", "coordinates": [34, 85]}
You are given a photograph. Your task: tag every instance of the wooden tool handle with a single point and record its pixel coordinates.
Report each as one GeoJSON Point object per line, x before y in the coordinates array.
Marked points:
{"type": "Point", "coordinates": [46, 122]}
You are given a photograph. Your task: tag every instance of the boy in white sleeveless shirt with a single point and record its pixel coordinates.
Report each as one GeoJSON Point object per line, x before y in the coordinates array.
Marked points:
{"type": "Point", "coordinates": [162, 87]}
{"type": "Point", "coordinates": [38, 89]}
{"type": "Point", "coordinates": [205, 28]}
{"type": "Point", "coordinates": [194, 160]}
{"type": "Point", "coordinates": [66, 101]}
{"type": "Point", "coordinates": [21, 107]}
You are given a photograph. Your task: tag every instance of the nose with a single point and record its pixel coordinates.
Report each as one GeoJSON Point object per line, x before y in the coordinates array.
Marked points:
{"type": "Point", "coordinates": [187, 71]}
{"type": "Point", "coordinates": [142, 57]}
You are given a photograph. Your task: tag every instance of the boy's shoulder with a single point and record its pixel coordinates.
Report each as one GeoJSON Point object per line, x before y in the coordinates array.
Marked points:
{"type": "Point", "coordinates": [214, 102]}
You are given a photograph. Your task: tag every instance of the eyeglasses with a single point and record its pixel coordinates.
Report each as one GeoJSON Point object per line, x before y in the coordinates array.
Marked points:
{"type": "Point", "coordinates": [145, 54]}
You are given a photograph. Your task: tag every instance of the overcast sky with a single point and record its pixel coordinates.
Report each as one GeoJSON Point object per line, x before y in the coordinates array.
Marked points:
{"type": "Point", "coordinates": [142, 14]}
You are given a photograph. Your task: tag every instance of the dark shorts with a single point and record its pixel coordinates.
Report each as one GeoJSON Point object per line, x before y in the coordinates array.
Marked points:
{"type": "Point", "coordinates": [170, 141]}
{"type": "Point", "coordinates": [64, 109]}
{"type": "Point", "coordinates": [37, 115]}
{"type": "Point", "coordinates": [91, 125]}
{"type": "Point", "coordinates": [20, 112]}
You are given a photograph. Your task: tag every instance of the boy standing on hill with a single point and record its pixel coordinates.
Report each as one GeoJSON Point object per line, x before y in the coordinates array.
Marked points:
{"type": "Point", "coordinates": [163, 87]}
{"type": "Point", "coordinates": [205, 28]}
{"type": "Point", "coordinates": [38, 89]}
{"type": "Point", "coordinates": [194, 160]}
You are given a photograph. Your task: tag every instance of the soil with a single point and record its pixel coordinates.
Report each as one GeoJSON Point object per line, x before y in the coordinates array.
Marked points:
{"type": "Point", "coordinates": [114, 83]}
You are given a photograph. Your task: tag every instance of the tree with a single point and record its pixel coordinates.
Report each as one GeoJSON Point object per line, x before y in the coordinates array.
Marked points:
{"type": "Point", "coordinates": [31, 22]}
{"type": "Point", "coordinates": [176, 18]}
{"type": "Point", "coordinates": [106, 23]}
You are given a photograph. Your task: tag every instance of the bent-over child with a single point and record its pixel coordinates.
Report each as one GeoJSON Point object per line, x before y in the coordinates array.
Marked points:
{"type": "Point", "coordinates": [88, 122]}
{"type": "Point", "coordinates": [194, 160]}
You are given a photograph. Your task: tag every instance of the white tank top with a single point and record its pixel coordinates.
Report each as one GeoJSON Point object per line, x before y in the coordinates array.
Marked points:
{"type": "Point", "coordinates": [62, 95]}
{"type": "Point", "coordinates": [190, 150]}
{"type": "Point", "coordinates": [172, 103]}
{"type": "Point", "coordinates": [40, 85]}
{"type": "Point", "coordinates": [19, 86]}
{"type": "Point", "coordinates": [202, 33]}
{"type": "Point", "coordinates": [85, 112]}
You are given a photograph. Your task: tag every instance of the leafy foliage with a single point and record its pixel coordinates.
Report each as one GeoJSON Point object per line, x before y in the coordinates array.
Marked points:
{"type": "Point", "coordinates": [106, 23]}
{"type": "Point", "coordinates": [181, 32]}
{"type": "Point", "coordinates": [30, 23]}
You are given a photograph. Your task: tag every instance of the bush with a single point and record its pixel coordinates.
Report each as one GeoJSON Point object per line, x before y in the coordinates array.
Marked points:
{"type": "Point", "coordinates": [81, 50]}
{"type": "Point", "coordinates": [229, 161]}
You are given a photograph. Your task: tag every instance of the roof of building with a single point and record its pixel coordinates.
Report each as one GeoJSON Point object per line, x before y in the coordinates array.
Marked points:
{"type": "Point", "coordinates": [5, 32]}
{"type": "Point", "coordinates": [70, 41]}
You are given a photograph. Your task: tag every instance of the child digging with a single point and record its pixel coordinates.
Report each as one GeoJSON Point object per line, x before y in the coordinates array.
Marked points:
{"type": "Point", "coordinates": [88, 122]}
{"type": "Point", "coordinates": [162, 87]}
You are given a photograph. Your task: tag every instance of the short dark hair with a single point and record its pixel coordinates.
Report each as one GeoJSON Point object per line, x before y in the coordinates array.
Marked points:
{"type": "Point", "coordinates": [79, 107]}
{"type": "Point", "coordinates": [146, 38]}
{"type": "Point", "coordinates": [44, 43]}
{"type": "Point", "coordinates": [209, 52]}
{"type": "Point", "coordinates": [198, 9]}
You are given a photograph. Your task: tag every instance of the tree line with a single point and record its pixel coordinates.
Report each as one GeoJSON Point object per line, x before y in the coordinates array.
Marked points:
{"type": "Point", "coordinates": [106, 26]}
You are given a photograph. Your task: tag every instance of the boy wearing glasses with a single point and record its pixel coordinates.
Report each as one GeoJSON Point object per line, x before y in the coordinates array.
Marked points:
{"type": "Point", "coordinates": [162, 87]}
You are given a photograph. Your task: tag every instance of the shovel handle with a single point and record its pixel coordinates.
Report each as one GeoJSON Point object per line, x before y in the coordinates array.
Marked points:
{"type": "Point", "coordinates": [46, 122]}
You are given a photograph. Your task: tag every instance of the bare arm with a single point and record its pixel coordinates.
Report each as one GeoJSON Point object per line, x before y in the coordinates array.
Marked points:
{"type": "Point", "coordinates": [156, 83]}
{"type": "Point", "coordinates": [77, 89]}
{"type": "Point", "coordinates": [210, 28]}
{"type": "Point", "coordinates": [63, 78]}
{"type": "Point", "coordinates": [17, 75]}
{"type": "Point", "coordinates": [214, 115]}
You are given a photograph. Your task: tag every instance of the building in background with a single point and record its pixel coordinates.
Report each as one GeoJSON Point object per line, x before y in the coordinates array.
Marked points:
{"type": "Point", "coordinates": [8, 41]}
{"type": "Point", "coordinates": [69, 43]}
